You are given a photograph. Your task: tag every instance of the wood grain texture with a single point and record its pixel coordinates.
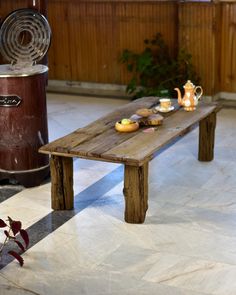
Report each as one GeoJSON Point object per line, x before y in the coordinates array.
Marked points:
{"type": "Point", "coordinates": [99, 140]}
{"type": "Point", "coordinates": [227, 59]}
{"type": "Point", "coordinates": [136, 193]}
{"type": "Point", "coordinates": [198, 33]}
{"type": "Point", "coordinates": [142, 146]}
{"type": "Point", "coordinates": [207, 138]}
{"type": "Point", "coordinates": [70, 143]}
{"type": "Point", "coordinates": [95, 33]}
{"type": "Point", "coordinates": [62, 183]}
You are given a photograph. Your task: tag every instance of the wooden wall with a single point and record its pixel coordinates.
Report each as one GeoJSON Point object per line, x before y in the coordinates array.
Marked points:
{"type": "Point", "coordinates": [198, 33]}
{"type": "Point", "coordinates": [88, 37]}
{"type": "Point", "coordinates": [228, 47]}
{"type": "Point", "coordinates": [93, 34]}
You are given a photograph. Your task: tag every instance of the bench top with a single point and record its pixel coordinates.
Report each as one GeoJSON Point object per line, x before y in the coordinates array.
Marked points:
{"type": "Point", "coordinates": [100, 141]}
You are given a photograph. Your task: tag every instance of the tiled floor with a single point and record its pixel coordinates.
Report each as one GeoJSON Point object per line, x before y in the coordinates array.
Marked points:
{"type": "Point", "coordinates": [187, 245]}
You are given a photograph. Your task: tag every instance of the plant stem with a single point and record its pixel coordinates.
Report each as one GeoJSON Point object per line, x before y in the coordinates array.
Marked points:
{"type": "Point", "coordinates": [170, 79]}
{"type": "Point", "coordinates": [4, 243]}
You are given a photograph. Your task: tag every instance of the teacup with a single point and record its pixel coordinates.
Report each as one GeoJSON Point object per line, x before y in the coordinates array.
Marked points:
{"type": "Point", "coordinates": [165, 103]}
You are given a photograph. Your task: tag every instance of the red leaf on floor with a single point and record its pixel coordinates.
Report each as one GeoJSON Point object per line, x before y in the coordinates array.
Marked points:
{"type": "Point", "coordinates": [8, 235]}
{"type": "Point", "coordinates": [20, 245]}
{"type": "Point", "coordinates": [17, 256]}
{"type": "Point", "coordinates": [25, 237]}
{"type": "Point", "coordinates": [2, 223]}
{"type": "Point", "coordinates": [15, 226]}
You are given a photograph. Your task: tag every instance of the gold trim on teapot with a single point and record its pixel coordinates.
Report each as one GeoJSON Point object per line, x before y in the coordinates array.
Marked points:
{"type": "Point", "coordinates": [191, 96]}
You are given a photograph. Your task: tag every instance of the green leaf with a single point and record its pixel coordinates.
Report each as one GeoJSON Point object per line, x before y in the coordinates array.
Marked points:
{"type": "Point", "coordinates": [156, 70]}
{"type": "Point", "coordinates": [130, 67]}
{"type": "Point", "coordinates": [131, 87]}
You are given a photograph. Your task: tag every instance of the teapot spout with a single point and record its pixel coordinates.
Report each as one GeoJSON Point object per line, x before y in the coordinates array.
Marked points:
{"type": "Point", "coordinates": [179, 96]}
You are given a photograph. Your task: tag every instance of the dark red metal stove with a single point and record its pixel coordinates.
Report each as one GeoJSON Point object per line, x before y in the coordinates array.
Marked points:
{"type": "Point", "coordinates": [24, 40]}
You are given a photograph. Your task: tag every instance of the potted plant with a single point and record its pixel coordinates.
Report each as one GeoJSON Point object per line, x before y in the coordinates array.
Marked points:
{"type": "Point", "coordinates": [155, 72]}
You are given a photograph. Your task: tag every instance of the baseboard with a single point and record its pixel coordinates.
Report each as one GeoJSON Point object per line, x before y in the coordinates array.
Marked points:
{"type": "Point", "coordinates": [227, 95]}
{"type": "Point", "coordinates": [112, 90]}
{"type": "Point", "coordinates": [87, 88]}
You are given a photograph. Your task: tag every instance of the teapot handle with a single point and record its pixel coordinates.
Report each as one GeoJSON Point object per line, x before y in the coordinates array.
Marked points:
{"type": "Point", "coordinates": [199, 94]}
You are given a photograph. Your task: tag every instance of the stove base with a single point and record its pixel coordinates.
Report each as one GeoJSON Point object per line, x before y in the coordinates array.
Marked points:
{"type": "Point", "coordinates": [27, 178]}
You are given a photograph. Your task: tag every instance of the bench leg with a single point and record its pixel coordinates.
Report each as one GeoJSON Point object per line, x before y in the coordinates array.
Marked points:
{"type": "Point", "coordinates": [62, 183]}
{"type": "Point", "coordinates": [207, 138]}
{"type": "Point", "coordinates": [136, 193]}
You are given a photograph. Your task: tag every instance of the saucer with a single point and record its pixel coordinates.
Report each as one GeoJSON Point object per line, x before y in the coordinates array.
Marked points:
{"type": "Point", "coordinates": [162, 110]}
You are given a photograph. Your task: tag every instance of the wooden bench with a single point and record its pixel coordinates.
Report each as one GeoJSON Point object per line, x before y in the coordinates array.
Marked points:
{"type": "Point", "coordinates": [100, 141]}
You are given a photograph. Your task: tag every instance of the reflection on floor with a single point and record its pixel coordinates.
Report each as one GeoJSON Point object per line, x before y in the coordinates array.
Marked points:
{"type": "Point", "coordinates": [187, 245]}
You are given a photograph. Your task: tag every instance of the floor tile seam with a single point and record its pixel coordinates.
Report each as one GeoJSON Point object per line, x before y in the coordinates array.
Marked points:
{"type": "Point", "coordinates": [96, 265]}
{"type": "Point", "coordinates": [76, 234]}
{"type": "Point", "coordinates": [115, 175]}
{"type": "Point", "coordinates": [38, 207]}
{"type": "Point", "coordinates": [7, 198]}
{"type": "Point", "coordinates": [187, 205]}
{"type": "Point", "coordinates": [23, 189]}
{"type": "Point", "coordinates": [17, 285]}
{"type": "Point", "coordinates": [232, 190]}
{"type": "Point", "coordinates": [206, 188]}
{"type": "Point", "coordinates": [186, 217]}
{"type": "Point", "coordinates": [185, 273]}
{"type": "Point", "coordinates": [188, 289]}
{"type": "Point", "coordinates": [143, 287]}
{"type": "Point", "coordinates": [171, 203]}
{"type": "Point", "coordinates": [60, 112]}
{"type": "Point", "coordinates": [206, 208]}
{"type": "Point", "coordinates": [200, 230]}
{"type": "Point", "coordinates": [197, 258]}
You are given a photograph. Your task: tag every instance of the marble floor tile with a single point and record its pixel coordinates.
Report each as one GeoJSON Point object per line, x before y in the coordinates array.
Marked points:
{"type": "Point", "coordinates": [197, 275]}
{"type": "Point", "coordinates": [9, 287]}
{"type": "Point", "coordinates": [6, 191]}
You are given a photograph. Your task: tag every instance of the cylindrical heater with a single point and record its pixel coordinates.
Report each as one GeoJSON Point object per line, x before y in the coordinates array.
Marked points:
{"type": "Point", "coordinates": [24, 40]}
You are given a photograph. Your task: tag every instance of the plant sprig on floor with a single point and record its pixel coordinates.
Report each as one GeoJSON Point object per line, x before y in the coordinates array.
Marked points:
{"type": "Point", "coordinates": [155, 72]}
{"type": "Point", "coordinates": [13, 231]}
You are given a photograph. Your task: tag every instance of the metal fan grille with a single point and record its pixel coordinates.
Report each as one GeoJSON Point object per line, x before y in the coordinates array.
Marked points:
{"type": "Point", "coordinates": [25, 36]}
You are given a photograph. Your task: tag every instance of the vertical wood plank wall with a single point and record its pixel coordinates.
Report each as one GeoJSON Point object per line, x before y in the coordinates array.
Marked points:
{"type": "Point", "coordinates": [92, 35]}
{"type": "Point", "coordinates": [197, 33]}
{"type": "Point", "coordinates": [228, 47]}
{"type": "Point", "coordinates": [88, 37]}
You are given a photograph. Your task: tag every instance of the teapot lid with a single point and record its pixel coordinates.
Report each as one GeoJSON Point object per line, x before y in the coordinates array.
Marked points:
{"type": "Point", "coordinates": [189, 85]}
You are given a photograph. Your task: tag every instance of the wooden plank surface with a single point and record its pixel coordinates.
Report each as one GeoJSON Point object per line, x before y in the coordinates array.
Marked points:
{"type": "Point", "coordinates": [66, 143]}
{"type": "Point", "coordinates": [142, 146]}
{"type": "Point", "coordinates": [99, 140]}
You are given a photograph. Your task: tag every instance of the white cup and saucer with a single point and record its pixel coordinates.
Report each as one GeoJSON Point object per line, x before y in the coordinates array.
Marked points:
{"type": "Point", "coordinates": [165, 105]}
